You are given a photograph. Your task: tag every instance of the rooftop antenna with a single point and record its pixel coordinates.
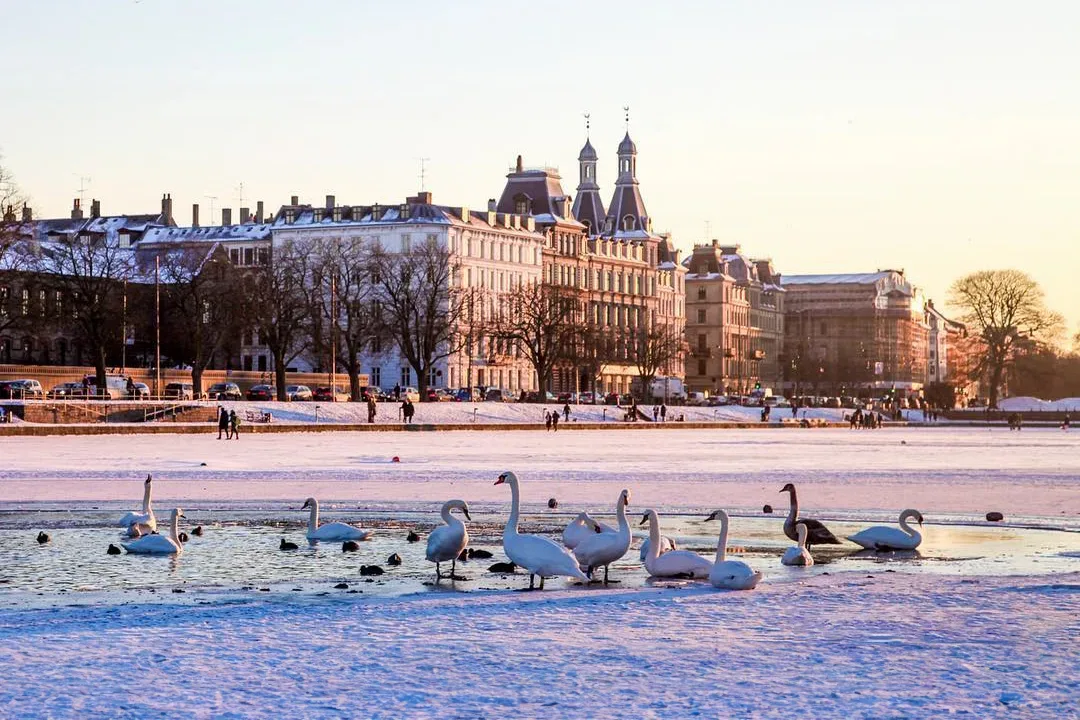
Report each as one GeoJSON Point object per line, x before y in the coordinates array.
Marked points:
{"type": "Point", "coordinates": [241, 198]}
{"type": "Point", "coordinates": [423, 171]}
{"type": "Point", "coordinates": [212, 199]}
{"type": "Point", "coordinates": [84, 183]}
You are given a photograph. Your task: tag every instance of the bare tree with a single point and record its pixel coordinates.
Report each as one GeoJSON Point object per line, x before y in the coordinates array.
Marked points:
{"type": "Point", "coordinates": [419, 307]}
{"type": "Point", "coordinates": [347, 300]}
{"type": "Point", "coordinates": [199, 309]}
{"type": "Point", "coordinates": [1000, 307]}
{"type": "Point", "coordinates": [91, 272]}
{"type": "Point", "coordinates": [14, 254]}
{"type": "Point", "coordinates": [654, 349]}
{"type": "Point", "coordinates": [542, 321]}
{"type": "Point", "coordinates": [277, 306]}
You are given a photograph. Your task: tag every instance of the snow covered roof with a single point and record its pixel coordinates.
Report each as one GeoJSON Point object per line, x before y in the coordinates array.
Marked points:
{"type": "Point", "coordinates": [837, 279]}
{"type": "Point", "coordinates": [300, 217]}
{"type": "Point", "coordinates": [247, 231]}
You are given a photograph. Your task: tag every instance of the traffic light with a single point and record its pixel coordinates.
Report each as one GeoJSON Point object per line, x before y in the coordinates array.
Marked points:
{"type": "Point", "coordinates": [757, 386]}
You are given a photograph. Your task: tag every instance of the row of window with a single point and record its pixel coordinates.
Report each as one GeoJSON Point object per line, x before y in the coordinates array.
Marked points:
{"type": "Point", "coordinates": [40, 302]}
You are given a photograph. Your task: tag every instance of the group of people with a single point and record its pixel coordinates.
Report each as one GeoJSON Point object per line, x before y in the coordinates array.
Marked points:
{"type": "Point", "coordinates": [551, 419]}
{"type": "Point", "coordinates": [228, 423]}
{"type": "Point", "coordinates": [865, 419]}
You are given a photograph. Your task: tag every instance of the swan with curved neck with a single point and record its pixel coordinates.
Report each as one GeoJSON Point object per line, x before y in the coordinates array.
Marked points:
{"type": "Point", "coordinates": [885, 537]}
{"type": "Point", "coordinates": [798, 556]}
{"type": "Point", "coordinates": [448, 540]}
{"type": "Point", "coordinates": [816, 532]}
{"type": "Point", "coordinates": [539, 555]}
{"type": "Point", "coordinates": [334, 531]}
{"type": "Point", "coordinates": [673, 563]}
{"type": "Point", "coordinates": [602, 549]}
{"type": "Point", "coordinates": [160, 544]}
{"type": "Point", "coordinates": [141, 523]}
{"type": "Point", "coordinates": [730, 574]}
{"type": "Point", "coordinates": [579, 528]}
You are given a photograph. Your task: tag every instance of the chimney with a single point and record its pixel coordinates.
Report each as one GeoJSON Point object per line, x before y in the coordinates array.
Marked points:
{"type": "Point", "coordinates": [245, 215]}
{"type": "Point", "coordinates": [166, 207]}
{"type": "Point", "coordinates": [520, 166]}
{"type": "Point", "coordinates": [76, 211]}
{"type": "Point", "coordinates": [260, 210]}
{"type": "Point", "coordinates": [492, 205]}
{"type": "Point", "coordinates": [195, 215]}
{"type": "Point", "coordinates": [330, 202]}
{"type": "Point", "coordinates": [226, 216]}
{"type": "Point", "coordinates": [27, 213]}
{"type": "Point", "coordinates": [95, 208]}
{"type": "Point", "coordinates": [295, 200]}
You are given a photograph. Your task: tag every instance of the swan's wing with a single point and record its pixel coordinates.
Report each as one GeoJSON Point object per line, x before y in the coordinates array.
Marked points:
{"type": "Point", "coordinates": [444, 544]}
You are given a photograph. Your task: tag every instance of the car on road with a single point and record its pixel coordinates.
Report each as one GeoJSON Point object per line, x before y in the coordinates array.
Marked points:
{"type": "Point", "coordinates": [224, 391]}
{"type": "Point", "coordinates": [68, 390]}
{"type": "Point", "coordinates": [262, 392]}
{"type": "Point", "coordinates": [179, 391]}
{"type": "Point", "coordinates": [298, 393]}
{"type": "Point", "coordinates": [587, 398]}
{"type": "Point", "coordinates": [140, 391]}
{"type": "Point", "coordinates": [21, 389]}
{"type": "Point", "coordinates": [372, 391]}
{"type": "Point", "coordinates": [411, 393]}
{"type": "Point", "coordinates": [325, 393]}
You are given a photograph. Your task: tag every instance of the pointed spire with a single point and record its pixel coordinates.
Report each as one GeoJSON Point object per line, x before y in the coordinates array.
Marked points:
{"type": "Point", "coordinates": [588, 153]}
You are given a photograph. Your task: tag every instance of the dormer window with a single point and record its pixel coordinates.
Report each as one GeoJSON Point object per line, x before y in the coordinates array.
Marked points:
{"type": "Point", "coordinates": [628, 223]}
{"type": "Point", "coordinates": [521, 205]}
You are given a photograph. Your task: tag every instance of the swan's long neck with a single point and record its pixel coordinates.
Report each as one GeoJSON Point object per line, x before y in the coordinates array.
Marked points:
{"type": "Point", "coordinates": [721, 547]}
{"type": "Point", "coordinates": [910, 531]}
{"type": "Point", "coordinates": [793, 512]}
{"type": "Point", "coordinates": [445, 514]}
{"type": "Point", "coordinates": [313, 520]}
{"type": "Point", "coordinates": [654, 537]}
{"type": "Point", "coordinates": [803, 532]}
{"type": "Point", "coordinates": [174, 531]}
{"type": "Point", "coordinates": [515, 499]}
{"type": "Point", "coordinates": [146, 499]}
{"type": "Point", "coordinates": [620, 512]}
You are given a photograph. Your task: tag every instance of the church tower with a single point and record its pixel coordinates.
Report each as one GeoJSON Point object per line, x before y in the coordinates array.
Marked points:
{"type": "Point", "coordinates": [626, 214]}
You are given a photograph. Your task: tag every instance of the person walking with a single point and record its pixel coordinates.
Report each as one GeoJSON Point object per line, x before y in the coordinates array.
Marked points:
{"type": "Point", "coordinates": [547, 420]}
{"type": "Point", "coordinates": [223, 422]}
{"type": "Point", "coordinates": [555, 422]}
{"type": "Point", "coordinates": [397, 391]}
{"type": "Point", "coordinates": [130, 388]}
{"type": "Point", "coordinates": [566, 412]}
{"type": "Point", "coordinates": [655, 413]}
{"type": "Point", "coordinates": [371, 408]}
{"type": "Point", "coordinates": [234, 424]}
{"type": "Point", "coordinates": [407, 411]}
{"type": "Point", "coordinates": [1065, 422]}
{"type": "Point", "coordinates": [663, 412]}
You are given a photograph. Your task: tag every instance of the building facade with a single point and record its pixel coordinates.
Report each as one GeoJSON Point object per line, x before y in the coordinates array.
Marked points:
{"type": "Point", "coordinates": [851, 334]}
{"type": "Point", "coordinates": [734, 321]}
{"type": "Point", "coordinates": [628, 278]}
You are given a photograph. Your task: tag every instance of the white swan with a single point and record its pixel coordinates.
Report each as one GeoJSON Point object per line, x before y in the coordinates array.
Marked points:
{"type": "Point", "coordinates": [141, 523]}
{"type": "Point", "coordinates": [160, 544]}
{"type": "Point", "coordinates": [579, 528]}
{"type": "Point", "coordinates": [884, 537]}
{"type": "Point", "coordinates": [447, 541]}
{"type": "Point", "coordinates": [666, 545]}
{"type": "Point", "coordinates": [604, 548]}
{"type": "Point", "coordinates": [536, 554]}
{"type": "Point", "coordinates": [330, 531]}
{"type": "Point", "coordinates": [730, 574]}
{"type": "Point", "coordinates": [798, 556]}
{"type": "Point", "coordinates": [673, 563]}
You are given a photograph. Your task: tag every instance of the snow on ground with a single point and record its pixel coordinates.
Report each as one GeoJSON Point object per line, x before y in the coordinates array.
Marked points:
{"type": "Point", "coordinates": [853, 646]}
{"type": "Point", "coordinates": [1024, 403]}
{"type": "Point", "coordinates": [937, 470]}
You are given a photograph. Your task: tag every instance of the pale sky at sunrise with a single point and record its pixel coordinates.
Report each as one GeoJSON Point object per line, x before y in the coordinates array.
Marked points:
{"type": "Point", "coordinates": [938, 137]}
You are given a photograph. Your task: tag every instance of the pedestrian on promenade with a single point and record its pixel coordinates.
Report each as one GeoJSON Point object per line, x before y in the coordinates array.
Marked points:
{"type": "Point", "coordinates": [547, 420]}
{"type": "Point", "coordinates": [663, 412]}
{"type": "Point", "coordinates": [397, 391]}
{"type": "Point", "coordinates": [655, 413]}
{"type": "Point", "coordinates": [555, 421]}
{"type": "Point", "coordinates": [222, 422]}
{"type": "Point", "coordinates": [407, 411]}
{"type": "Point", "coordinates": [234, 425]}
{"type": "Point", "coordinates": [371, 408]}
{"type": "Point", "coordinates": [566, 412]}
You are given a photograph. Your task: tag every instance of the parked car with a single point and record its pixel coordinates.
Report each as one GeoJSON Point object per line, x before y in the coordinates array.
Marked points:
{"type": "Point", "coordinates": [695, 398]}
{"type": "Point", "coordinates": [466, 395]}
{"type": "Point", "coordinates": [140, 391]}
{"type": "Point", "coordinates": [179, 391]}
{"type": "Point", "coordinates": [116, 387]}
{"type": "Point", "coordinates": [298, 393]}
{"type": "Point", "coordinates": [497, 395]}
{"type": "Point", "coordinates": [68, 390]}
{"type": "Point", "coordinates": [717, 401]}
{"type": "Point", "coordinates": [372, 391]}
{"type": "Point", "coordinates": [587, 398]}
{"type": "Point", "coordinates": [224, 391]}
{"type": "Point", "coordinates": [21, 389]}
{"type": "Point", "coordinates": [324, 393]}
{"type": "Point", "coordinates": [411, 393]}
{"type": "Point", "coordinates": [445, 395]}
{"type": "Point", "coordinates": [262, 392]}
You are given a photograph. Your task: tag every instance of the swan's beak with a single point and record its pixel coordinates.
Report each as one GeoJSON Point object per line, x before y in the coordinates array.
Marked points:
{"type": "Point", "coordinates": [644, 519]}
{"type": "Point", "coordinates": [711, 517]}
{"type": "Point", "coordinates": [305, 506]}
{"type": "Point", "coordinates": [466, 512]}
{"type": "Point", "coordinates": [501, 480]}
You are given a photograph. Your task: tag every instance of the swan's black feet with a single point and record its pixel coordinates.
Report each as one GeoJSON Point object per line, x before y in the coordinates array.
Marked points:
{"type": "Point", "coordinates": [612, 582]}
{"type": "Point", "coordinates": [458, 577]}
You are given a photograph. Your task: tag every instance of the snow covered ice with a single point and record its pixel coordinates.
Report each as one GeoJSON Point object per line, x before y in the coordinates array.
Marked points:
{"type": "Point", "coordinates": [983, 623]}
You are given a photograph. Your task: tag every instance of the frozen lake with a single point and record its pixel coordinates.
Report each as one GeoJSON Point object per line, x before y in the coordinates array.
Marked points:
{"type": "Point", "coordinates": [988, 612]}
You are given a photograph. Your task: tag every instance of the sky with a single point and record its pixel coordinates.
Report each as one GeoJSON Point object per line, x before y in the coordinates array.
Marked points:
{"type": "Point", "coordinates": [832, 136]}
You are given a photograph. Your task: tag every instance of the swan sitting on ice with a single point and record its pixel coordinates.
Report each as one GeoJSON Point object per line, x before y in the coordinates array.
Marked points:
{"type": "Point", "coordinates": [666, 545]}
{"type": "Point", "coordinates": [330, 531]}
{"type": "Point", "coordinates": [160, 544]}
{"type": "Point", "coordinates": [539, 555]}
{"type": "Point", "coordinates": [447, 541]}
{"type": "Point", "coordinates": [604, 548]}
{"type": "Point", "coordinates": [798, 556]}
{"type": "Point", "coordinates": [673, 563]}
{"type": "Point", "coordinates": [730, 574]}
{"type": "Point", "coordinates": [579, 528]}
{"type": "Point", "coordinates": [884, 537]}
{"type": "Point", "coordinates": [140, 523]}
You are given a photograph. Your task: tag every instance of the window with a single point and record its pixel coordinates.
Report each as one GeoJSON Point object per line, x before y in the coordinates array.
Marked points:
{"type": "Point", "coordinates": [406, 242]}
{"type": "Point", "coordinates": [823, 329]}
{"type": "Point", "coordinates": [264, 256]}
{"type": "Point", "coordinates": [701, 317]}
{"type": "Point", "coordinates": [405, 375]}
{"type": "Point", "coordinates": [25, 302]}
{"type": "Point", "coordinates": [521, 205]}
{"type": "Point", "coordinates": [234, 256]}
{"type": "Point", "coordinates": [433, 239]}
{"type": "Point", "coordinates": [59, 308]}
{"type": "Point", "coordinates": [41, 302]}
{"type": "Point", "coordinates": [433, 378]}
{"type": "Point", "coordinates": [701, 293]}
{"type": "Point", "coordinates": [703, 343]}
{"type": "Point", "coordinates": [376, 376]}
{"type": "Point", "coordinates": [5, 295]}
{"type": "Point", "coordinates": [702, 366]}
{"type": "Point", "coordinates": [249, 256]}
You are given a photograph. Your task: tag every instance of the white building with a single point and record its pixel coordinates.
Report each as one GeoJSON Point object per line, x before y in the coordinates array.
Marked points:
{"type": "Point", "coordinates": [493, 252]}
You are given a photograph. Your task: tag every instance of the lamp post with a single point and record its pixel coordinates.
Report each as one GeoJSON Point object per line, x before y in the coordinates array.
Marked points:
{"type": "Point", "coordinates": [157, 326]}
